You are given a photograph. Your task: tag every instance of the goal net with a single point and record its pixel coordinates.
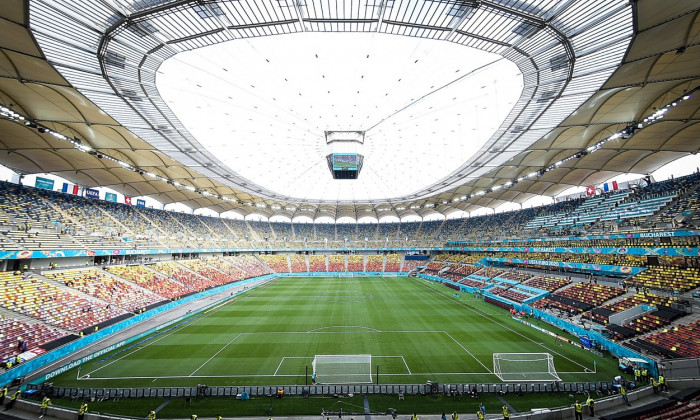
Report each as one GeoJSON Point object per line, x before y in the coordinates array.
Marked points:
{"type": "Point", "coordinates": [343, 368]}
{"type": "Point", "coordinates": [524, 366]}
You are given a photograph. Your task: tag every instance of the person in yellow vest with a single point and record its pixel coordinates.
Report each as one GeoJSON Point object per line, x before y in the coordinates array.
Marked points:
{"type": "Point", "coordinates": [193, 417]}
{"type": "Point", "coordinates": [655, 385]}
{"type": "Point", "coordinates": [455, 416]}
{"type": "Point", "coordinates": [506, 413]}
{"type": "Point", "coordinates": [637, 374]}
{"type": "Point", "coordinates": [591, 405]}
{"type": "Point", "coordinates": [414, 417]}
{"type": "Point", "coordinates": [645, 375]}
{"type": "Point", "coordinates": [218, 417]}
{"type": "Point", "coordinates": [82, 410]}
{"type": "Point", "coordinates": [662, 383]}
{"type": "Point", "coordinates": [151, 415]}
{"type": "Point", "coordinates": [578, 410]}
{"type": "Point", "coordinates": [3, 394]}
{"type": "Point", "coordinates": [13, 399]}
{"type": "Point", "coordinates": [479, 415]}
{"type": "Point", "coordinates": [623, 392]}
{"type": "Point", "coordinates": [45, 403]}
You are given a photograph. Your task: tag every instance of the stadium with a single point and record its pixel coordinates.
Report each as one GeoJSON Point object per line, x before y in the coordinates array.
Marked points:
{"type": "Point", "coordinates": [354, 208]}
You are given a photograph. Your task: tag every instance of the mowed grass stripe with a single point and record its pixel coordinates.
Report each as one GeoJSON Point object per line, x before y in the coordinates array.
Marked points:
{"type": "Point", "coordinates": [433, 332]}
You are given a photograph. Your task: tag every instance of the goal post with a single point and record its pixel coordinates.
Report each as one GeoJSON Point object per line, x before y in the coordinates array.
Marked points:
{"type": "Point", "coordinates": [525, 367]}
{"type": "Point", "coordinates": [342, 368]}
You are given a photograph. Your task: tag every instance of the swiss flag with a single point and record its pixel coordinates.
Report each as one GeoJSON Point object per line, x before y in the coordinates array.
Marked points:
{"type": "Point", "coordinates": [127, 200]}
{"type": "Point", "coordinates": [590, 191]}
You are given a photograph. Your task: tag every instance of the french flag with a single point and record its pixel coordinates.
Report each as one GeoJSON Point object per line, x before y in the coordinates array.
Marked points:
{"type": "Point", "coordinates": [610, 186]}
{"type": "Point", "coordinates": [70, 189]}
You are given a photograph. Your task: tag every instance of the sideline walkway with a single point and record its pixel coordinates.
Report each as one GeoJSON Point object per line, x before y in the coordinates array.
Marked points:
{"type": "Point", "coordinates": [28, 410]}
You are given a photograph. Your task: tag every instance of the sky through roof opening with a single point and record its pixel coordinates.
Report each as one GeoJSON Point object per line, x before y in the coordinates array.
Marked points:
{"type": "Point", "coordinates": [262, 105]}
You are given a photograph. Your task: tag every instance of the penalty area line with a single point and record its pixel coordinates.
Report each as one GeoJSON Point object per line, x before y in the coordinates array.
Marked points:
{"type": "Point", "coordinates": [215, 354]}
{"type": "Point", "coordinates": [483, 314]}
{"type": "Point", "coordinates": [288, 357]}
{"type": "Point", "coordinates": [468, 352]}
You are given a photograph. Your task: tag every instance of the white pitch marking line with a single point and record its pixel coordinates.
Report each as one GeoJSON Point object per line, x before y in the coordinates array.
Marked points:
{"type": "Point", "coordinates": [468, 352]}
{"type": "Point", "coordinates": [406, 364]}
{"type": "Point", "coordinates": [177, 328]}
{"type": "Point", "coordinates": [215, 354]}
{"type": "Point", "coordinates": [279, 366]}
{"type": "Point", "coordinates": [479, 312]}
{"type": "Point", "coordinates": [271, 376]}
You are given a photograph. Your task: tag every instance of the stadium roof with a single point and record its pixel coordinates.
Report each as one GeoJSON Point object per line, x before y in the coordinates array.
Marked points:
{"type": "Point", "coordinates": [91, 79]}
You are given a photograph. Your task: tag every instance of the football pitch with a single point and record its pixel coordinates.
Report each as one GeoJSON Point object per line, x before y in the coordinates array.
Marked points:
{"type": "Point", "coordinates": [414, 330]}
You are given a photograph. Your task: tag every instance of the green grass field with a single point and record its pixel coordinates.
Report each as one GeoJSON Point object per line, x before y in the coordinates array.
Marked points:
{"type": "Point", "coordinates": [414, 330]}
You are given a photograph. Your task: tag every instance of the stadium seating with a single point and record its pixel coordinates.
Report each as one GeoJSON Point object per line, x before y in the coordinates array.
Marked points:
{"type": "Point", "coordinates": [549, 284]}
{"type": "Point", "coordinates": [317, 263]}
{"type": "Point", "coordinates": [356, 263]}
{"type": "Point", "coordinates": [251, 266]}
{"type": "Point", "coordinates": [515, 276]}
{"type": "Point", "coordinates": [298, 263]}
{"type": "Point", "coordinates": [282, 232]}
{"type": "Point", "coordinates": [149, 279]}
{"type": "Point", "coordinates": [278, 263]}
{"type": "Point", "coordinates": [673, 409]}
{"type": "Point", "coordinates": [97, 224]}
{"type": "Point", "coordinates": [579, 297]}
{"type": "Point", "coordinates": [411, 265]}
{"type": "Point", "coordinates": [490, 272]}
{"type": "Point", "coordinates": [178, 273]}
{"type": "Point", "coordinates": [375, 263]}
{"type": "Point", "coordinates": [392, 263]}
{"type": "Point", "coordinates": [473, 282]}
{"type": "Point", "coordinates": [34, 334]}
{"type": "Point", "coordinates": [671, 278]}
{"type": "Point", "coordinates": [54, 305]}
{"type": "Point", "coordinates": [211, 275]}
{"type": "Point", "coordinates": [637, 299]}
{"type": "Point", "coordinates": [336, 263]}
{"type": "Point", "coordinates": [106, 287]}
{"type": "Point", "coordinates": [510, 294]}
{"type": "Point", "coordinates": [674, 342]}
{"type": "Point", "coordinates": [434, 267]}
{"type": "Point", "coordinates": [227, 267]}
